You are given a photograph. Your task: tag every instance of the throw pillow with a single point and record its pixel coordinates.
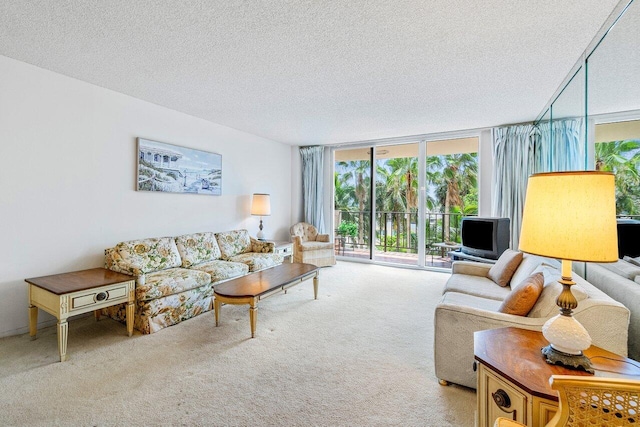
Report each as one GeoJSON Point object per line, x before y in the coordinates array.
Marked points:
{"type": "Point", "coordinates": [502, 271]}
{"type": "Point", "coordinates": [521, 300]}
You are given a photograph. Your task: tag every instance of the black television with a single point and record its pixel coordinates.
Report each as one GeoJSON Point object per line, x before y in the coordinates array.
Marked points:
{"type": "Point", "coordinates": [628, 238]}
{"type": "Point", "coordinates": [485, 237]}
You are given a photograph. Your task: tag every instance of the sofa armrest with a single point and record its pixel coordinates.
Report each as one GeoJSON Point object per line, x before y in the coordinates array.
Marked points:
{"type": "Point", "coordinates": [322, 238]}
{"type": "Point", "coordinates": [624, 291]}
{"type": "Point", "coordinates": [262, 246]}
{"type": "Point", "coordinates": [471, 268]}
{"type": "Point", "coordinates": [113, 261]}
{"type": "Point", "coordinates": [454, 326]}
{"type": "Point", "coordinates": [297, 241]}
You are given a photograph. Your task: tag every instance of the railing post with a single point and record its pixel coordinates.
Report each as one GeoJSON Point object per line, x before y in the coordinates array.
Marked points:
{"type": "Point", "coordinates": [398, 229]}
{"type": "Point", "coordinates": [385, 231]}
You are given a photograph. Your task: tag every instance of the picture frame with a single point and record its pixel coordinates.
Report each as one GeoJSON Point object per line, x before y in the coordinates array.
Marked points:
{"type": "Point", "coordinates": [169, 168]}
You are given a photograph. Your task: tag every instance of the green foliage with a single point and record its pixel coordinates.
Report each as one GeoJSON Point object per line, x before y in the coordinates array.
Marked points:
{"type": "Point", "coordinates": [391, 241]}
{"type": "Point", "coordinates": [348, 228]}
{"type": "Point", "coordinates": [451, 182]}
{"type": "Point", "coordinates": [623, 159]}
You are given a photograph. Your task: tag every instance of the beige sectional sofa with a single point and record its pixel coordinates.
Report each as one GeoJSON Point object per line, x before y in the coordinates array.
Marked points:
{"type": "Point", "coordinates": [471, 301]}
{"type": "Point", "coordinates": [621, 281]}
{"type": "Point", "coordinates": [175, 276]}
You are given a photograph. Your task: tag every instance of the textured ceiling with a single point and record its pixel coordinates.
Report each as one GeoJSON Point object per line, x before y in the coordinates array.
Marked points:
{"type": "Point", "coordinates": [309, 72]}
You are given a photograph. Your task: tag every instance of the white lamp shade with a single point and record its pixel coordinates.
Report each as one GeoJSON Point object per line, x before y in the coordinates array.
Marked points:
{"type": "Point", "coordinates": [571, 216]}
{"type": "Point", "coordinates": [261, 204]}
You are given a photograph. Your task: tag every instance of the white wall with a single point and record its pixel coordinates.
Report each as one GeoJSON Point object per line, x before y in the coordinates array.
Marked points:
{"type": "Point", "coordinates": [67, 179]}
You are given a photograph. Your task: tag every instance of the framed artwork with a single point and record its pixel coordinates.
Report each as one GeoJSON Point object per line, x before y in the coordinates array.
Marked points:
{"type": "Point", "coordinates": [174, 169]}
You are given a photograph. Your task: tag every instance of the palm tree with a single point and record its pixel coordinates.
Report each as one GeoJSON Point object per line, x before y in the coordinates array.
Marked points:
{"type": "Point", "coordinates": [623, 159]}
{"type": "Point", "coordinates": [356, 173]}
{"type": "Point", "coordinates": [344, 196]}
{"type": "Point", "coordinates": [455, 178]}
{"type": "Point", "coordinates": [403, 181]}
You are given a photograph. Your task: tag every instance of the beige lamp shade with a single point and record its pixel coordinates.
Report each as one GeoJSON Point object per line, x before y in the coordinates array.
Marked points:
{"type": "Point", "coordinates": [261, 204]}
{"type": "Point", "coordinates": [571, 216]}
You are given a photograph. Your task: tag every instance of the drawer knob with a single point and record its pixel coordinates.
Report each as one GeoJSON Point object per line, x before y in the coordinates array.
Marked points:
{"type": "Point", "coordinates": [501, 398]}
{"type": "Point", "coordinates": [101, 296]}
{"type": "Point", "coordinates": [504, 402]}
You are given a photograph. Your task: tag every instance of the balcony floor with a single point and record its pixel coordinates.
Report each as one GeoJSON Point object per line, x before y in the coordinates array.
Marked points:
{"type": "Point", "coordinates": [402, 258]}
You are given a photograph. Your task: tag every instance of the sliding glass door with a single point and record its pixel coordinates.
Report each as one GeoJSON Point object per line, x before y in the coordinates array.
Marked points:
{"type": "Point", "coordinates": [352, 203]}
{"type": "Point", "coordinates": [396, 196]}
{"type": "Point", "coordinates": [451, 181]}
{"type": "Point", "coordinates": [403, 203]}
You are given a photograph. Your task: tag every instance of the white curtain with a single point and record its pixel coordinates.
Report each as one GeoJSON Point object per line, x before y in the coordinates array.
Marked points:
{"type": "Point", "coordinates": [513, 154]}
{"type": "Point", "coordinates": [559, 146]}
{"type": "Point", "coordinates": [312, 185]}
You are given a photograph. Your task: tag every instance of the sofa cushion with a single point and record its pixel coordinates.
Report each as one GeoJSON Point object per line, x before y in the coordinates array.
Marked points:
{"type": "Point", "coordinates": [197, 248]}
{"type": "Point", "coordinates": [257, 261]}
{"type": "Point", "coordinates": [476, 285]}
{"type": "Point", "coordinates": [634, 261]}
{"type": "Point", "coordinates": [168, 282]}
{"type": "Point", "coordinates": [222, 270]}
{"type": "Point", "coordinates": [525, 269]}
{"type": "Point", "coordinates": [314, 246]}
{"type": "Point", "coordinates": [523, 297]}
{"type": "Point", "coordinates": [233, 242]}
{"type": "Point", "coordinates": [466, 300]}
{"type": "Point", "coordinates": [502, 271]}
{"type": "Point", "coordinates": [622, 268]}
{"type": "Point", "coordinates": [149, 255]}
{"type": "Point", "coordinates": [546, 305]}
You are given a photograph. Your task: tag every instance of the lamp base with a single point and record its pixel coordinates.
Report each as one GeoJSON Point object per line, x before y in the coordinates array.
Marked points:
{"type": "Point", "coordinates": [260, 235]}
{"type": "Point", "coordinates": [571, 361]}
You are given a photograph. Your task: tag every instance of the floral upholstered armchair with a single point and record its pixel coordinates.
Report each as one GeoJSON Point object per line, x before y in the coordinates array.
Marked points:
{"type": "Point", "coordinates": [310, 247]}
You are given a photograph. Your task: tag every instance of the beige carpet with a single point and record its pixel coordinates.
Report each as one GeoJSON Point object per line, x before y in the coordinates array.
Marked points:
{"type": "Point", "coordinates": [361, 355]}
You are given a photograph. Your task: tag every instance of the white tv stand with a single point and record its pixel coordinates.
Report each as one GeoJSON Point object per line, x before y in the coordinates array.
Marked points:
{"type": "Point", "coordinates": [459, 255]}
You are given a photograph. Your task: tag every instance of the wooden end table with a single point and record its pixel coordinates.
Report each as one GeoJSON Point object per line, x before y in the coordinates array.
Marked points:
{"type": "Point", "coordinates": [68, 294]}
{"type": "Point", "coordinates": [256, 286]}
{"type": "Point", "coordinates": [513, 376]}
{"type": "Point", "coordinates": [283, 248]}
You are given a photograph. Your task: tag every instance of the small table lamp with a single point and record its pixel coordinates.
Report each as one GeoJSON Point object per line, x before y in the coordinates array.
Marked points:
{"type": "Point", "coordinates": [570, 216]}
{"type": "Point", "coordinates": [261, 206]}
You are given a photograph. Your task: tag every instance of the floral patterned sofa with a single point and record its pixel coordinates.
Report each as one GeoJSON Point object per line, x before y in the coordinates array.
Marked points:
{"type": "Point", "coordinates": [175, 276]}
{"type": "Point", "coordinates": [238, 246]}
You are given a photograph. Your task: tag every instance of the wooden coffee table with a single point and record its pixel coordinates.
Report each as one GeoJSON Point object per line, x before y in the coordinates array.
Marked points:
{"type": "Point", "coordinates": [253, 287]}
{"type": "Point", "coordinates": [68, 294]}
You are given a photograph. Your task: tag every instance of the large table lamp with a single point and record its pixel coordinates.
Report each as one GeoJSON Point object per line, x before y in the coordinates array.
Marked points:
{"type": "Point", "coordinates": [570, 216]}
{"type": "Point", "coordinates": [261, 206]}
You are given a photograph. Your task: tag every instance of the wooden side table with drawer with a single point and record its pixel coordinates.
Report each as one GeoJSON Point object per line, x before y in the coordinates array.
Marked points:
{"type": "Point", "coordinates": [78, 292]}
{"type": "Point", "coordinates": [285, 249]}
{"type": "Point", "coordinates": [513, 376]}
